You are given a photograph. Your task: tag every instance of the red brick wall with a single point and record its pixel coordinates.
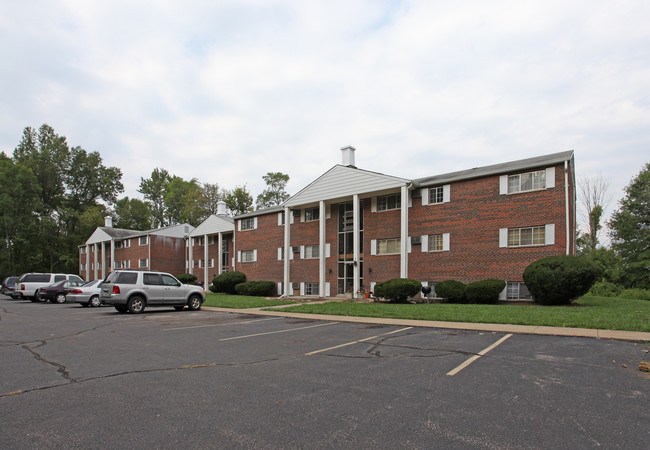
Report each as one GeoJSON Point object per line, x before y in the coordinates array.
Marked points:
{"type": "Point", "coordinates": [213, 253]}
{"type": "Point", "coordinates": [266, 239]}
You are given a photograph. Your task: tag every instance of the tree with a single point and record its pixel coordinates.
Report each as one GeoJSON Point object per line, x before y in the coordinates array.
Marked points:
{"type": "Point", "coordinates": [154, 189]}
{"type": "Point", "coordinates": [275, 193]}
{"type": "Point", "coordinates": [239, 200]}
{"type": "Point", "coordinates": [630, 231]}
{"type": "Point", "coordinates": [594, 199]}
{"type": "Point", "coordinates": [133, 214]}
{"type": "Point", "coordinates": [210, 198]}
{"type": "Point", "coordinates": [183, 202]}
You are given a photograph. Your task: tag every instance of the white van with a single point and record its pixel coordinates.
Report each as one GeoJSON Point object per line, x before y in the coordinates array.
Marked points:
{"type": "Point", "coordinates": [29, 284]}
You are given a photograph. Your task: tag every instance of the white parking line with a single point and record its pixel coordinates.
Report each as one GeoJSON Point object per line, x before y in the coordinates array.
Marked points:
{"type": "Point", "coordinates": [356, 342]}
{"type": "Point", "coordinates": [222, 324]}
{"type": "Point", "coordinates": [277, 332]}
{"type": "Point", "coordinates": [477, 356]}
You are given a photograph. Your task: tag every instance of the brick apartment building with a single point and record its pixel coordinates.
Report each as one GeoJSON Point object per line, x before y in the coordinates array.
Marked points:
{"type": "Point", "coordinates": [163, 249]}
{"type": "Point", "coordinates": [352, 228]}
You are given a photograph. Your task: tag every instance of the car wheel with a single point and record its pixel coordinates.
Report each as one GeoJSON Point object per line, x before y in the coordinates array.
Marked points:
{"type": "Point", "coordinates": [194, 303]}
{"type": "Point", "coordinates": [94, 301]}
{"type": "Point", "coordinates": [60, 298]}
{"type": "Point", "coordinates": [179, 308]}
{"type": "Point", "coordinates": [121, 308]}
{"type": "Point", "coordinates": [135, 304]}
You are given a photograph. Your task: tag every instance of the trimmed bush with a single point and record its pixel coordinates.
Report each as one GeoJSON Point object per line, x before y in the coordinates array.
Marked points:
{"type": "Point", "coordinates": [638, 294]}
{"type": "Point", "coordinates": [187, 278]}
{"type": "Point", "coordinates": [605, 289]}
{"type": "Point", "coordinates": [227, 281]}
{"type": "Point", "coordinates": [558, 280]}
{"type": "Point", "coordinates": [484, 291]}
{"type": "Point", "coordinates": [398, 290]}
{"type": "Point", "coordinates": [256, 288]}
{"type": "Point", "coordinates": [451, 290]}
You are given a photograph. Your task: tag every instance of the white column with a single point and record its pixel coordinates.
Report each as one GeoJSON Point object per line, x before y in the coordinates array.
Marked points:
{"type": "Point", "coordinates": [321, 249]}
{"type": "Point", "coordinates": [356, 230]}
{"type": "Point", "coordinates": [219, 254]}
{"type": "Point", "coordinates": [87, 262]}
{"type": "Point", "coordinates": [95, 260]}
{"type": "Point", "coordinates": [190, 255]}
{"type": "Point", "coordinates": [112, 254]}
{"type": "Point", "coordinates": [287, 249]}
{"type": "Point", "coordinates": [404, 232]}
{"type": "Point", "coordinates": [103, 260]}
{"type": "Point", "coordinates": [206, 269]}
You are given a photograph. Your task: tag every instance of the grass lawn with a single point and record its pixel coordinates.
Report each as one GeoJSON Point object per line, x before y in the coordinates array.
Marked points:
{"type": "Point", "coordinates": [240, 301]}
{"type": "Point", "coordinates": [589, 312]}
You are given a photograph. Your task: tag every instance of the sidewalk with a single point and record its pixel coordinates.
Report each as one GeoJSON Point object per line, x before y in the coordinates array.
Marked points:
{"type": "Point", "coordinates": [489, 327]}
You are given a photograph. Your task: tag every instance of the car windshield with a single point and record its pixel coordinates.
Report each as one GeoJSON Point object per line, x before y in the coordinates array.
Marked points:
{"type": "Point", "coordinates": [91, 283]}
{"type": "Point", "coordinates": [60, 283]}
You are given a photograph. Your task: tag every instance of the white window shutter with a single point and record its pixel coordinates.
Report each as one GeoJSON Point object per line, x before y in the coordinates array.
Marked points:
{"type": "Point", "coordinates": [373, 204]}
{"type": "Point", "coordinates": [291, 217]}
{"type": "Point", "coordinates": [302, 288]}
{"type": "Point", "coordinates": [425, 244]}
{"type": "Point", "coordinates": [280, 218]}
{"type": "Point", "coordinates": [239, 225]}
{"type": "Point", "coordinates": [425, 196]}
{"type": "Point", "coordinates": [302, 215]}
{"type": "Point", "coordinates": [408, 245]}
{"type": "Point", "coordinates": [445, 242]}
{"type": "Point", "coordinates": [446, 193]}
{"type": "Point", "coordinates": [373, 247]}
{"type": "Point", "coordinates": [503, 295]}
{"type": "Point", "coordinates": [327, 250]}
{"type": "Point", "coordinates": [280, 291]}
{"type": "Point", "coordinates": [211, 263]}
{"type": "Point", "coordinates": [503, 184]}
{"type": "Point", "coordinates": [550, 234]}
{"type": "Point", "coordinates": [255, 255]}
{"type": "Point", "coordinates": [254, 223]}
{"type": "Point", "coordinates": [239, 256]}
{"type": "Point", "coordinates": [327, 289]}
{"type": "Point", "coordinates": [503, 237]}
{"type": "Point", "coordinates": [302, 252]}
{"type": "Point", "coordinates": [328, 213]}
{"type": "Point", "coordinates": [550, 177]}
{"type": "Point", "coordinates": [279, 253]}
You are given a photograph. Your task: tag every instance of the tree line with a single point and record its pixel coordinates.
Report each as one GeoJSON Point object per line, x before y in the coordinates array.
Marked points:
{"type": "Point", "coordinates": [54, 196]}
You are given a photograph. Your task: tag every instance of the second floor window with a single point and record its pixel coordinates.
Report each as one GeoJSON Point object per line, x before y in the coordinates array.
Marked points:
{"type": "Point", "coordinates": [247, 224]}
{"type": "Point", "coordinates": [530, 181]}
{"type": "Point", "coordinates": [388, 202]}
{"type": "Point", "coordinates": [312, 214]}
{"type": "Point", "coordinates": [388, 246]}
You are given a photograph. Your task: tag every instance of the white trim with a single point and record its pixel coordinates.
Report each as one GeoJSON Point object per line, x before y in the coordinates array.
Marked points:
{"type": "Point", "coordinates": [446, 193]}
{"type": "Point", "coordinates": [302, 288]}
{"type": "Point", "coordinates": [445, 242]}
{"type": "Point", "coordinates": [549, 234]}
{"type": "Point", "coordinates": [425, 196]}
{"type": "Point", "coordinates": [279, 253]}
{"type": "Point", "coordinates": [302, 252]}
{"type": "Point", "coordinates": [373, 247]}
{"type": "Point", "coordinates": [503, 185]}
{"type": "Point", "coordinates": [550, 177]}
{"type": "Point", "coordinates": [373, 204]}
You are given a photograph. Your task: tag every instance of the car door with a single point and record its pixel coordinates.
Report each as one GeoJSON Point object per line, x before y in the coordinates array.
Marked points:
{"type": "Point", "coordinates": [174, 292]}
{"type": "Point", "coordinates": [153, 287]}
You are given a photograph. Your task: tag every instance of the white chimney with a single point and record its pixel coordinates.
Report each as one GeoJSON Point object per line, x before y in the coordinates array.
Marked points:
{"type": "Point", "coordinates": [108, 221]}
{"type": "Point", "coordinates": [348, 156]}
{"type": "Point", "coordinates": [221, 208]}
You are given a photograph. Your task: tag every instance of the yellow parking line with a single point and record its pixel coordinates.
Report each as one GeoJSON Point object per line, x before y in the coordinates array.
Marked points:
{"type": "Point", "coordinates": [356, 342]}
{"type": "Point", "coordinates": [276, 332]}
{"type": "Point", "coordinates": [477, 356]}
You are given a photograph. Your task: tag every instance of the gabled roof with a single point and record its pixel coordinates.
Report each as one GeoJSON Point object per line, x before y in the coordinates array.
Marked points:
{"type": "Point", "coordinates": [213, 225]}
{"type": "Point", "coordinates": [342, 182]}
{"type": "Point", "coordinates": [260, 212]}
{"type": "Point", "coordinates": [103, 234]}
{"type": "Point", "coordinates": [497, 169]}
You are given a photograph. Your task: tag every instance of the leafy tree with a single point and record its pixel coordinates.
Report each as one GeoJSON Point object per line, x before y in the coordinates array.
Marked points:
{"type": "Point", "coordinates": [594, 197]}
{"type": "Point", "coordinates": [87, 180]}
{"type": "Point", "coordinates": [239, 200]}
{"type": "Point", "coordinates": [275, 193]}
{"type": "Point", "coordinates": [154, 189]}
{"type": "Point", "coordinates": [630, 231]}
{"type": "Point", "coordinates": [133, 214]}
{"type": "Point", "coordinates": [210, 198]}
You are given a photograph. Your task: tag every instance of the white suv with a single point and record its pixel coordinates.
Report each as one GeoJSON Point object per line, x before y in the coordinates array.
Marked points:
{"type": "Point", "coordinates": [132, 291]}
{"type": "Point", "coordinates": [29, 284]}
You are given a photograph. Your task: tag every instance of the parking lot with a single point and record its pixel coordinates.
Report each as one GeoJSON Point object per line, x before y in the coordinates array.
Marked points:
{"type": "Point", "coordinates": [78, 377]}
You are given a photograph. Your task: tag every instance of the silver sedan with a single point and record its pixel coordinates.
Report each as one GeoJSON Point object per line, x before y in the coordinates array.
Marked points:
{"type": "Point", "coordinates": [86, 294]}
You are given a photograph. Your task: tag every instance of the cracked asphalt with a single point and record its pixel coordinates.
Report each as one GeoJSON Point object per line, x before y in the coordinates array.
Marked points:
{"type": "Point", "coordinates": [73, 377]}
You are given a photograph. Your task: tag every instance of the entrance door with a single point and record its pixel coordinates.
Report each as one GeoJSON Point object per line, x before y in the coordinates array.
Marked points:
{"type": "Point", "coordinates": [346, 247]}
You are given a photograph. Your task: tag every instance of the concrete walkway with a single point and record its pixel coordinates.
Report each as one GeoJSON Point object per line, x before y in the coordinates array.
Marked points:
{"type": "Point", "coordinates": [499, 328]}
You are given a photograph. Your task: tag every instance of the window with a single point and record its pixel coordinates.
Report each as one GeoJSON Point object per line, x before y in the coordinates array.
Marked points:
{"type": "Point", "coordinates": [248, 256]}
{"type": "Point", "coordinates": [312, 251]}
{"type": "Point", "coordinates": [518, 237]}
{"type": "Point", "coordinates": [151, 279]}
{"type": "Point", "coordinates": [436, 195]}
{"type": "Point", "coordinates": [388, 202]}
{"type": "Point", "coordinates": [127, 278]}
{"type": "Point", "coordinates": [143, 263]}
{"type": "Point", "coordinates": [517, 290]}
{"type": "Point", "coordinates": [311, 288]}
{"type": "Point", "coordinates": [388, 246]}
{"type": "Point", "coordinates": [144, 240]}
{"type": "Point", "coordinates": [83, 250]}
{"type": "Point", "coordinates": [312, 214]}
{"type": "Point", "coordinates": [245, 224]}
{"type": "Point", "coordinates": [83, 267]}
{"type": "Point", "coordinates": [530, 181]}
{"type": "Point", "coordinates": [436, 243]}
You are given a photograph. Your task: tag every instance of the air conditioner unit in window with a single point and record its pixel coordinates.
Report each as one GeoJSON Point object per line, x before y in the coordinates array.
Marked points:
{"type": "Point", "coordinates": [416, 240]}
{"type": "Point", "coordinates": [295, 286]}
{"type": "Point", "coordinates": [417, 193]}
{"type": "Point", "coordinates": [295, 249]}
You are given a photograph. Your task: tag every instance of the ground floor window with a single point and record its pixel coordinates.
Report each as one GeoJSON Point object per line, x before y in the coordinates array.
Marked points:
{"type": "Point", "coordinates": [517, 290]}
{"type": "Point", "coordinates": [311, 288]}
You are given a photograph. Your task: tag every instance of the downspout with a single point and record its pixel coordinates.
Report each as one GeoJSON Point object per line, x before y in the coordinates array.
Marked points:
{"type": "Point", "coordinates": [567, 225]}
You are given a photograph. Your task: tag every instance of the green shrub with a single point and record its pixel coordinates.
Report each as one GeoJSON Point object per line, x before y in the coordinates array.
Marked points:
{"type": "Point", "coordinates": [558, 280]}
{"type": "Point", "coordinates": [227, 281]}
{"type": "Point", "coordinates": [451, 290]}
{"type": "Point", "coordinates": [256, 288]}
{"type": "Point", "coordinates": [605, 289]}
{"type": "Point", "coordinates": [638, 294]}
{"type": "Point", "coordinates": [187, 278]}
{"type": "Point", "coordinates": [484, 291]}
{"type": "Point", "coordinates": [398, 290]}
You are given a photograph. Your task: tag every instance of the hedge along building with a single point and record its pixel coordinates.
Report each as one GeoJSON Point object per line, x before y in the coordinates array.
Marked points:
{"type": "Point", "coordinates": [211, 246]}
{"type": "Point", "coordinates": [108, 248]}
{"type": "Point", "coordinates": [352, 228]}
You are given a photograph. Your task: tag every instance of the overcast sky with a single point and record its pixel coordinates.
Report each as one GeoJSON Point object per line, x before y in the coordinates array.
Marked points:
{"type": "Point", "coordinates": [226, 91]}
